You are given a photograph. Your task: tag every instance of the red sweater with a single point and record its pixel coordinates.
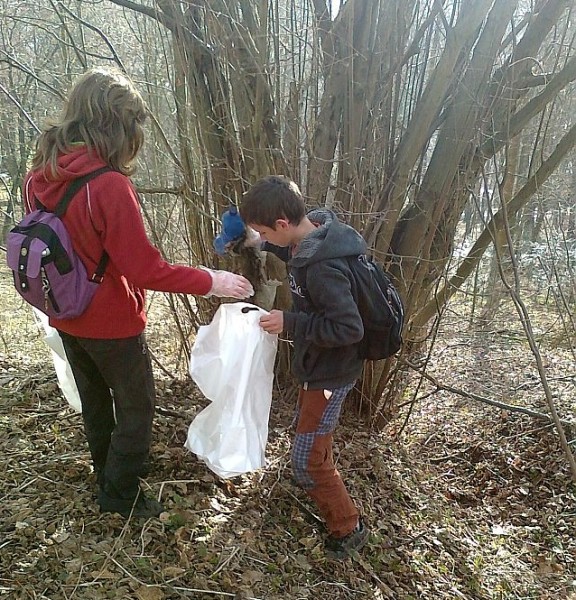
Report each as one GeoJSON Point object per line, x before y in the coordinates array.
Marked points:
{"type": "Point", "coordinates": [105, 214]}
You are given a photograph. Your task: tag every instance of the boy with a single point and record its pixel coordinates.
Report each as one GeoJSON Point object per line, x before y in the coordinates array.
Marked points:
{"type": "Point", "coordinates": [325, 327]}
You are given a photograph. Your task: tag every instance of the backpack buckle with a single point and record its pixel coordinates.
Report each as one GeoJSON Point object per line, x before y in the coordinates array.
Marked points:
{"type": "Point", "coordinates": [96, 278]}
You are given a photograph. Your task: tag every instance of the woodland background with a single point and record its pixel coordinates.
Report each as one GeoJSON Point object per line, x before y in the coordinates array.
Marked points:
{"type": "Point", "coordinates": [444, 131]}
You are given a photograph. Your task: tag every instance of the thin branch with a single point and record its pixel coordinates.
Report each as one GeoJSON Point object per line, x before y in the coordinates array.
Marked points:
{"type": "Point", "coordinates": [522, 310]}
{"type": "Point", "coordinates": [556, 83]}
{"type": "Point", "coordinates": [173, 24]}
{"type": "Point", "coordinates": [164, 138]}
{"type": "Point", "coordinates": [177, 191]}
{"type": "Point", "coordinates": [503, 405]}
{"type": "Point", "coordinates": [20, 108]}
{"type": "Point", "coordinates": [108, 43]}
{"type": "Point", "coordinates": [79, 55]}
{"type": "Point", "coordinates": [496, 224]}
{"type": "Point", "coordinates": [17, 64]}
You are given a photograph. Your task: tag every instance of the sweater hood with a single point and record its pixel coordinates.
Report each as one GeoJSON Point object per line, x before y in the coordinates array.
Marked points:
{"type": "Point", "coordinates": [70, 166]}
{"type": "Point", "coordinates": [331, 239]}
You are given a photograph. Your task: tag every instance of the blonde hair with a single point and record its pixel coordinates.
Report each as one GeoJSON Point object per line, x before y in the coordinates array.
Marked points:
{"type": "Point", "coordinates": [105, 112]}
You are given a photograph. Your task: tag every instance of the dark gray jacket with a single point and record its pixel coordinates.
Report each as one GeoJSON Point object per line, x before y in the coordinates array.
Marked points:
{"type": "Point", "coordinates": [325, 324]}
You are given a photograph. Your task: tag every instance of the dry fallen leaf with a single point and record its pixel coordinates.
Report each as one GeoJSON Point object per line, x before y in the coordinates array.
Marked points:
{"type": "Point", "coordinates": [149, 593]}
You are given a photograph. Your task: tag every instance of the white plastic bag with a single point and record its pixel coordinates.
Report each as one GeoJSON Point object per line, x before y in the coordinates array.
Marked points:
{"type": "Point", "coordinates": [232, 363]}
{"type": "Point", "coordinates": [61, 365]}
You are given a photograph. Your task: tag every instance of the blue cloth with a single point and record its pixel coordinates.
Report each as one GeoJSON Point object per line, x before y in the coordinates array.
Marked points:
{"type": "Point", "coordinates": [233, 229]}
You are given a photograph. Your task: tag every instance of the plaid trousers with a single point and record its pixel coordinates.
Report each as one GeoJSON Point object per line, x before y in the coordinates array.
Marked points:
{"type": "Point", "coordinates": [317, 415]}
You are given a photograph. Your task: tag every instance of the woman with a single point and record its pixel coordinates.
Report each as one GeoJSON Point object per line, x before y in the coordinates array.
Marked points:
{"type": "Point", "coordinates": [102, 126]}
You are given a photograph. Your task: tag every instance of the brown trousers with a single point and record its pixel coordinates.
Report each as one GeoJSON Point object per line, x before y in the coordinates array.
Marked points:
{"type": "Point", "coordinates": [312, 460]}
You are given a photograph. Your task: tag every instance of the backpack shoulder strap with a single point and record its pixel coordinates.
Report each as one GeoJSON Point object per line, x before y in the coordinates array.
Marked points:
{"type": "Point", "coordinates": [74, 187]}
{"type": "Point", "coordinates": [31, 203]}
{"type": "Point", "coordinates": [98, 275]}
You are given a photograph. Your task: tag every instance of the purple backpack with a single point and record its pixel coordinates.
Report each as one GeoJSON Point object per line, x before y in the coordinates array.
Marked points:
{"type": "Point", "coordinates": [48, 274]}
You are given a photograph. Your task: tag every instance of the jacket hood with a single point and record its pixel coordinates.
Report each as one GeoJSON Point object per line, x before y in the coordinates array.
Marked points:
{"type": "Point", "coordinates": [331, 239]}
{"type": "Point", "coordinates": [70, 166]}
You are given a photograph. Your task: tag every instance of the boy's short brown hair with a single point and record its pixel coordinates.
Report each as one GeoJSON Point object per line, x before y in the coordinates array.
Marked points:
{"type": "Point", "coordinates": [271, 198]}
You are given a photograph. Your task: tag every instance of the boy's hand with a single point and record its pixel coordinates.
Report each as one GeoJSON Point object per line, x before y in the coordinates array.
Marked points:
{"type": "Point", "coordinates": [273, 322]}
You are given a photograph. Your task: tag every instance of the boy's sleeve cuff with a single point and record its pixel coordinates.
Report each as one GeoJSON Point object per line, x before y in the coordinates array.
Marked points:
{"type": "Point", "coordinates": [290, 319]}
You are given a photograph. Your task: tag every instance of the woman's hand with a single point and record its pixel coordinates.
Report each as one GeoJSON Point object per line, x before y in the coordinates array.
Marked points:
{"type": "Point", "coordinates": [229, 285]}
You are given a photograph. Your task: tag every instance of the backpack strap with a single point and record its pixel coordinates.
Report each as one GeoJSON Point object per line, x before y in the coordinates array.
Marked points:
{"type": "Point", "coordinates": [98, 275]}
{"type": "Point", "coordinates": [72, 189]}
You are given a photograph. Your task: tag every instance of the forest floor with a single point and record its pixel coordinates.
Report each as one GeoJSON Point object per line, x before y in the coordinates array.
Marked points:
{"type": "Point", "coordinates": [465, 501]}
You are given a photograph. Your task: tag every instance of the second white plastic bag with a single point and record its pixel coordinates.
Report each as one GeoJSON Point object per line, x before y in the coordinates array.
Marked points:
{"type": "Point", "coordinates": [66, 380]}
{"type": "Point", "coordinates": [232, 363]}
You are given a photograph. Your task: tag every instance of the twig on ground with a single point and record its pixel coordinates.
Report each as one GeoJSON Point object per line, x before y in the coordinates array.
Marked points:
{"type": "Point", "coordinates": [503, 405]}
{"type": "Point", "coordinates": [226, 561]}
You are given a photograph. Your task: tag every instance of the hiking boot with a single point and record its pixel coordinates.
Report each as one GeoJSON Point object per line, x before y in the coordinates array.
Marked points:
{"type": "Point", "coordinates": [142, 507]}
{"type": "Point", "coordinates": [343, 547]}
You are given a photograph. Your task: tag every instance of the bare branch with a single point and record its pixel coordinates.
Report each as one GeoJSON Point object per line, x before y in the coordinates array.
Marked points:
{"type": "Point", "coordinates": [97, 30]}
{"type": "Point", "coordinates": [20, 108]}
{"type": "Point", "coordinates": [496, 223]}
{"type": "Point", "coordinates": [496, 403]}
{"type": "Point", "coordinates": [21, 67]}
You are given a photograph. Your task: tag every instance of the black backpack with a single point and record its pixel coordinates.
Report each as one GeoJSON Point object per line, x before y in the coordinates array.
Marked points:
{"type": "Point", "coordinates": [380, 307]}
